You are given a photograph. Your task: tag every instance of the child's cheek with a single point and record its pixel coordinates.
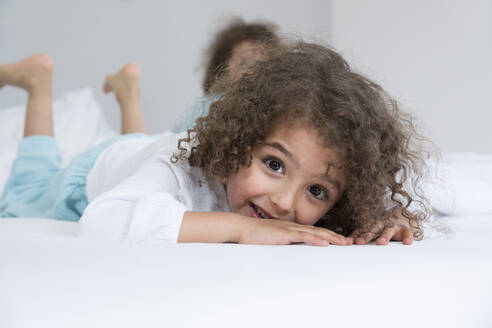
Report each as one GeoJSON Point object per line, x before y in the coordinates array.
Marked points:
{"type": "Point", "coordinates": [309, 214]}
{"type": "Point", "coordinates": [244, 186]}
{"type": "Point", "coordinates": [237, 190]}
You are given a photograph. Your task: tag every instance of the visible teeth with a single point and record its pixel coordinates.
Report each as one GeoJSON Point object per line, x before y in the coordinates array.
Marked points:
{"type": "Point", "coordinates": [264, 216]}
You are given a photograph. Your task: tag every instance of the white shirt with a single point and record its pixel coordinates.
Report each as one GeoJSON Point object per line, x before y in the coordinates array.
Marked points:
{"type": "Point", "coordinates": [137, 195]}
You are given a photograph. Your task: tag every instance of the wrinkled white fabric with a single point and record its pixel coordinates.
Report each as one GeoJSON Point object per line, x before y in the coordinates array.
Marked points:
{"type": "Point", "coordinates": [137, 195]}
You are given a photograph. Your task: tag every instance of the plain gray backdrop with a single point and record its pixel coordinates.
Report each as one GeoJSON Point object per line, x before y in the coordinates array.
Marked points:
{"type": "Point", "coordinates": [434, 56]}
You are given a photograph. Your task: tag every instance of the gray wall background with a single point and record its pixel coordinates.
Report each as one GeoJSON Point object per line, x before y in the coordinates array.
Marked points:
{"type": "Point", "coordinates": [432, 55]}
{"type": "Point", "coordinates": [88, 39]}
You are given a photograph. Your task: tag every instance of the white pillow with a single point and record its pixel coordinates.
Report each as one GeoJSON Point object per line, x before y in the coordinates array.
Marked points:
{"type": "Point", "coordinates": [463, 185]}
{"type": "Point", "coordinates": [78, 124]}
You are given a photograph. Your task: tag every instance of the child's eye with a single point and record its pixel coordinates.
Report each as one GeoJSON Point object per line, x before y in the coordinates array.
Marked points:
{"type": "Point", "coordinates": [274, 165]}
{"type": "Point", "coordinates": [318, 192]}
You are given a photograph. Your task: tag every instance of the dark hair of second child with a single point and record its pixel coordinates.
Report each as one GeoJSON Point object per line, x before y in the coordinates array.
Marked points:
{"type": "Point", "coordinates": [227, 39]}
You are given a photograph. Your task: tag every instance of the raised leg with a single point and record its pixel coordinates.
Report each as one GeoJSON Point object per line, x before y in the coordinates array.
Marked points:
{"type": "Point", "coordinates": [124, 84]}
{"type": "Point", "coordinates": [33, 74]}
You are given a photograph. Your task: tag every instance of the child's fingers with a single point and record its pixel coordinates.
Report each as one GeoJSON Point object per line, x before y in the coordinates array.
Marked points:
{"type": "Point", "coordinates": [389, 233]}
{"type": "Point", "coordinates": [386, 236]}
{"type": "Point", "coordinates": [357, 238]}
{"type": "Point", "coordinates": [331, 236]}
{"type": "Point", "coordinates": [407, 237]}
{"type": "Point", "coordinates": [351, 238]}
{"type": "Point", "coordinates": [365, 238]}
{"type": "Point", "coordinates": [320, 236]}
{"type": "Point", "coordinates": [308, 238]}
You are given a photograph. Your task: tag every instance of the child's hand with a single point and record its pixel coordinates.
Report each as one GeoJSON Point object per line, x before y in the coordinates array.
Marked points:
{"type": "Point", "coordinates": [277, 232]}
{"type": "Point", "coordinates": [398, 228]}
{"type": "Point", "coordinates": [219, 227]}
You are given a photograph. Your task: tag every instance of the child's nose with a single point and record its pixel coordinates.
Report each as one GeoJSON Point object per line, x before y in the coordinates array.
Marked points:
{"type": "Point", "coordinates": [283, 202]}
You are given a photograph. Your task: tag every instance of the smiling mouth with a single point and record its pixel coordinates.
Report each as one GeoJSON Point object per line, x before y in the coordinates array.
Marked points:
{"type": "Point", "coordinates": [256, 212]}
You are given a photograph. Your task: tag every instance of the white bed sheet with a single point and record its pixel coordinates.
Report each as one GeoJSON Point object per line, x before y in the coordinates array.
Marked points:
{"type": "Point", "coordinates": [48, 278]}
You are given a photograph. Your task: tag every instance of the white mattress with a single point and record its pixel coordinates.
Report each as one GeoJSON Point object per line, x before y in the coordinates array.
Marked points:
{"type": "Point", "coordinates": [48, 278]}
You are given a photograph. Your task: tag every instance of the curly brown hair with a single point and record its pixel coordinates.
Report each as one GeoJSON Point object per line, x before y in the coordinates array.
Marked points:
{"type": "Point", "coordinates": [309, 83]}
{"type": "Point", "coordinates": [221, 49]}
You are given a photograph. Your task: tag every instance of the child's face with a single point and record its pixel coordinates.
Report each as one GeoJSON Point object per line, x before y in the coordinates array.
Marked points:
{"type": "Point", "coordinates": [287, 178]}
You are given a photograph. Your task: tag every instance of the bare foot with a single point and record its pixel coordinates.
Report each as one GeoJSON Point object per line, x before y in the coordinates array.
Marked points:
{"type": "Point", "coordinates": [29, 74]}
{"type": "Point", "coordinates": [124, 83]}
{"type": "Point", "coordinates": [33, 74]}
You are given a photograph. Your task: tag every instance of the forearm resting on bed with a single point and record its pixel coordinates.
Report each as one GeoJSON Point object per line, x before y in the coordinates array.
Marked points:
{"type": "Point", "coordinates": [219, 227]}
{"type": "Point", "coordinates": [210, 227]}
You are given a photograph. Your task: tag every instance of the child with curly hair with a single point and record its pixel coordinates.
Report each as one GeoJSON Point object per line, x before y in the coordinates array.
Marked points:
{"type": "Point", "coordinates": [299, 149]}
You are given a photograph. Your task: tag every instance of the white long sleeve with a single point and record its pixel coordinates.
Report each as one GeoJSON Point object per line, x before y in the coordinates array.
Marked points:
{"type": "Point", "coordinates": [143, 208]}
{"type": "Point", "coordinates": [147, 206]}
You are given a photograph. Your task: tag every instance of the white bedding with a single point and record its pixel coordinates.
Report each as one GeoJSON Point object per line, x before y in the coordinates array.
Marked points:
{"type": "Point", "coordinates": [49, 278]}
